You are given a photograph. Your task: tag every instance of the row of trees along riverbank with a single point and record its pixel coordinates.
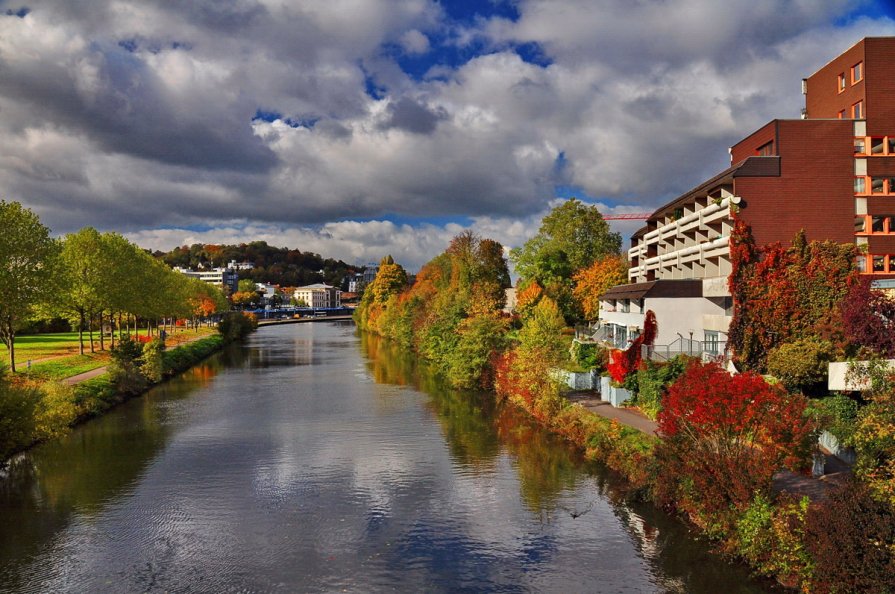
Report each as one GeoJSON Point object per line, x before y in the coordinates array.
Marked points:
{"type": "Point", "coordinates": [32, 411]}
{"type": "Point", "coordinates": [91, 279]}
{"type": "Point", "coordinates": [724, 436]}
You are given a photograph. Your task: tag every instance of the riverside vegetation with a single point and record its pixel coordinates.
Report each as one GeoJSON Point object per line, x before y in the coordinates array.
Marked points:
{"type": "Point", "coordinates": [723, 436]}
{"type": "Point", "coordinates": [97, 283]}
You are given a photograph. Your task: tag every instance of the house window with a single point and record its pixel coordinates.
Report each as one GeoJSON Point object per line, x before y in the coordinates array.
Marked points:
{"type": "Point", "coordinates": [877, 224]}
{"type": "Point", "coordinates": [877, 185]}
{"type": "Point", "coordinates": [891, 185]}
{"type": "Point", "coordinates": [857, 110]}
{"type": "Point", "coordinates": [860, 224]}
{"type": "Point", "coordinates": [890, 224]}
{"type": "Point", "coordinates": [890, 142]}
{"type": "Point", "coordinates": [859, 144]}
{"type": "Point", "coordinates": [712, 342]}
{"type": "Point", "coordinates": [860, 185]}
{"type": "Point", "coordinates": [841, 82]}
{"type": "Point", "coordinates": [626, 306]}
{"type": "Point", "coordinates": [877, 146]}
{"type": "Point", "coordinates": [727, 303]}
{"type": "Point", "coordinates": [765, 150]}
{"type": "Point", "coordinates": [861, 263]}
{"type": "Point", "coordinates": [879, 263]}
{"type": "Point", "coordinates": [857, 72]}
{"type": "Point", "coordinates": [842, 114]}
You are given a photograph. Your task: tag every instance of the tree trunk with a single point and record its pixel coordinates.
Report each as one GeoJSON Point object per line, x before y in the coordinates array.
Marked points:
{"type": "Point", "coordinates": [81, 333]}
{"type": "Point", "coordinates": [102, 332]}
{"type": "Point", "coordinates": [90, 331]}
{"type": "Point", "coordinates": [11, 345]}
{"type": "Point", "coordinates": [111, 330]}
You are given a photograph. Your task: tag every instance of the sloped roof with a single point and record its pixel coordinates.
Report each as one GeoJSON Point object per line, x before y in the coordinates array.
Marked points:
{"type": "Point", "coordinates": [658, 288]}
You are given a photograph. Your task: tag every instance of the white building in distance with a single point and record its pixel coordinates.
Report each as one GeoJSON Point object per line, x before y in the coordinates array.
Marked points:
{"type": "Point", "coordinates": [319, 295]}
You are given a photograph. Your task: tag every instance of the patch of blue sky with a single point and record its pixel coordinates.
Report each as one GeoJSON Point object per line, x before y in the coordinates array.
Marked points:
{"type": "Point", "coordinates": [294, 122]}
{"type": "Point", "coordinates": [467, 11]}
{"type": "Point", "coordinates": [874, 9]}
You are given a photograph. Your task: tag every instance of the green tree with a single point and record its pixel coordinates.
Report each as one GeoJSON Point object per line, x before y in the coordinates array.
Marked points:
{"type": "Point", "coordinates": [27, 262]}
{"type": "Point", "coordinates": [571, 237]}
{"type": "Point", "coordinates": [78, 290]}
{"type": "Point", "coordinates": [246, 285]}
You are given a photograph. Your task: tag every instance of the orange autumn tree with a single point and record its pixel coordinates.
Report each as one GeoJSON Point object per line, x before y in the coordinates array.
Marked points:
{"type": "Point", "coordinates": [592, 282]}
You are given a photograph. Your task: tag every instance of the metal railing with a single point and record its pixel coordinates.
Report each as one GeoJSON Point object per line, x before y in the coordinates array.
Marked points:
{"type": "Point", "coordinates": [706, 350]}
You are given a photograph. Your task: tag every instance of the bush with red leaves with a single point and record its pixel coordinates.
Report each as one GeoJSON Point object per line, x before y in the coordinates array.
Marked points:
{"type": "Point", "coordinates": [725, 436]}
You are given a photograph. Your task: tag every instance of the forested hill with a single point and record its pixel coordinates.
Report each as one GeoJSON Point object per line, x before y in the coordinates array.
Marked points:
{"type": "Point", "coordinates": [279, 266]}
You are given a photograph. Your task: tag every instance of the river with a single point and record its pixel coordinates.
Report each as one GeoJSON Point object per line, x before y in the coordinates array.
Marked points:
{"type": "Point", "coordinates": [313, 460]}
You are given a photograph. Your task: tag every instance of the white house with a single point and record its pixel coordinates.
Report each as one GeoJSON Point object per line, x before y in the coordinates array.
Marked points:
{"type": "Point", "coordinates": [319, 295]}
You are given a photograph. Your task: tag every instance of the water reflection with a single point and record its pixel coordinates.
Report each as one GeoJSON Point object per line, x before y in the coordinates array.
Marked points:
{"type": "Point", "coordinates": [555, 482]}
{"type": "Point", "coordinates": [300, 462]}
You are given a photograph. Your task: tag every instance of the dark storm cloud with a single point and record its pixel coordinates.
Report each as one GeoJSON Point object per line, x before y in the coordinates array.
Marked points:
{"type": "Point", "coordinates": [410, 116]}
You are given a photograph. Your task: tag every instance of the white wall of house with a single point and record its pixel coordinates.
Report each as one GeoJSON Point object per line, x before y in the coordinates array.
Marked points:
{"type": "Point", "coordinates": [675, 316]}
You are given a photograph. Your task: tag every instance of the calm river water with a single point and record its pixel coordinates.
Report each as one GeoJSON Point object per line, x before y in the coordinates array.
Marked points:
{"type": "Point", "coordinates": [311, 460]}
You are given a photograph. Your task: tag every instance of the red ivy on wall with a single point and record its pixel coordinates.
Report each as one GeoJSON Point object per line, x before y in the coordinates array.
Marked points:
{"type": "Point", "coordinates": [781, 294]}
{"type": "Point", "coordinates": [622, 363]}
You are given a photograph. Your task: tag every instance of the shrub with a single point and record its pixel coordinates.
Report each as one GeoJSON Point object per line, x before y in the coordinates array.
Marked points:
{"type": "Point", "coordinates": [725, 436]}
{"type": "Point", "coordinates": [874, 440]}
{"type": "Point", "coordinates": [837, 414]}
{"type": "Point", "coordinates": [236, 325]}
{"type": "Point", "coordinates": [590, 355]}
{"type": "Point", "coordinates": [851, 540]}
{"type": "Point", "coordinates": [124, 370]}
{"type": "Point", "coordinates": [18, 416]}
{"type": "Point", "coordinates": [652, 380]}
{"type": "Point", "coordinates": [772, 539]}
{"type": "Point", "coordinates": [802, 365]}
{"type": "Point", "coordinates": [152, 360]}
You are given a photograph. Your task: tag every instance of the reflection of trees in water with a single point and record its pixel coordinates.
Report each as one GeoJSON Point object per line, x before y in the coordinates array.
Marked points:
{"type": "Point", "coordinates": [475, 427]}
{"type": "Point", "coordinates": [83, 471]}
{"type": "Point", "coordinates": [477, 430]}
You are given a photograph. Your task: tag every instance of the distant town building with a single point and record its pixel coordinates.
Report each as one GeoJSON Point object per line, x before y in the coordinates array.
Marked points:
{"type": "Point", "coordinates": [319, 295]}
{"type": "Point", "coordinates": [831, 173]}
{"type": "Point", "coordinates": [225, 278]}
{"type": "Point", "coordinates": [234, 265]}
{"type": "Point", "coordinates": [370, 272]}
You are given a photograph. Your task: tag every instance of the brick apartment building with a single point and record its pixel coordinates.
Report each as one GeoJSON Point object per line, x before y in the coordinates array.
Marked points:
{"type": "Point", "coordinates": [831, 173]}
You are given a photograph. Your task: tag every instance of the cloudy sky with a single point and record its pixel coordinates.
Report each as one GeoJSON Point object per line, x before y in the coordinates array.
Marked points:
{"type": "Point", "coordinates": [356, 128]}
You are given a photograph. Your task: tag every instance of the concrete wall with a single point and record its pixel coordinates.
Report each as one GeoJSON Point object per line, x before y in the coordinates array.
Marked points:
{"type": "Point", "coordinates": [680, 315]}
{"type": "Point", "coordinates": [838, 372]}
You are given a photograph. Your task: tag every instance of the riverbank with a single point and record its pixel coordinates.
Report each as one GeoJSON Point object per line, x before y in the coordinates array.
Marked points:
{"type": "Point", "coordinates": [34, 410]}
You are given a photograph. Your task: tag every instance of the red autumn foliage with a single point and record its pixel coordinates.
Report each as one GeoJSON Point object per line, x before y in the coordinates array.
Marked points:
{"type": "Point", "coordinates": [868, 318]}
{"type": "Point", "coordinates": [622, 363]}
{"type": "Point", "coordinates": [725, 436]}
{"type": "Point", "coordinates": [782, 293]}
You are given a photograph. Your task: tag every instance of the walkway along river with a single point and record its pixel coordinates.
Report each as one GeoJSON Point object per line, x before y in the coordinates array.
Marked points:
{"type": "Point", "coordinates": [312, 460]}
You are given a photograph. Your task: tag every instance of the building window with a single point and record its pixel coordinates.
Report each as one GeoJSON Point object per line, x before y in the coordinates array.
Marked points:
{"type": "Point", "coordinates": [860, 224]}
{"type": "Point", "coordinates": [765, 150]}
{"type": "Point", "coordinates": [841, 82]}
{"type": "Point", "coordinates": [890, 144]}
{"type": "Point", "coordinates": [860, 185]}
{"type": "Point", "coordinates": [859, 145]}
{"type": "Point", "coordinates": [879, 263]}
{"type": "Point", "coordinates": [877, 185]}
{"type": "Point", "coordinates": [842, 114]}
{"type": "Point", "coordinates": [857, 72]}
{"type": "Point", "coordinates": [857, 110]}
{"type": "Point", "coordinates": [861, 263]}
{"type": "Point", "coordinates": [877, 224]}
{"type": "Point", "coordinates": [712, 342]}
{"type": "Point", "coordinates": [877, 146]}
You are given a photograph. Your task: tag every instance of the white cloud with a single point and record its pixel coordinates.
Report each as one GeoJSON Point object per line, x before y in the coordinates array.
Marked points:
{"type": "Point", "coordinates": [139, 115]}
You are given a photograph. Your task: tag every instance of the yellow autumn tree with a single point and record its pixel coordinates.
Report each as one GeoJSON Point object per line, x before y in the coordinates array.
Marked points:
{"type": "Point", "coordinates": [593, 281]}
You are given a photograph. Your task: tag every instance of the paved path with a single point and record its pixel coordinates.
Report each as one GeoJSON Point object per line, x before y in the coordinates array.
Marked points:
{"type": "Point", "coordinates": [626, 416]}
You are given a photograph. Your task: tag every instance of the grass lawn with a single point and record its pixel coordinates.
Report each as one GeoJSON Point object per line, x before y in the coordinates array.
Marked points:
{"type": "Point", "coordinates": [63, 367]}
{"type": "Point", "coordinates": [61, 352]}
